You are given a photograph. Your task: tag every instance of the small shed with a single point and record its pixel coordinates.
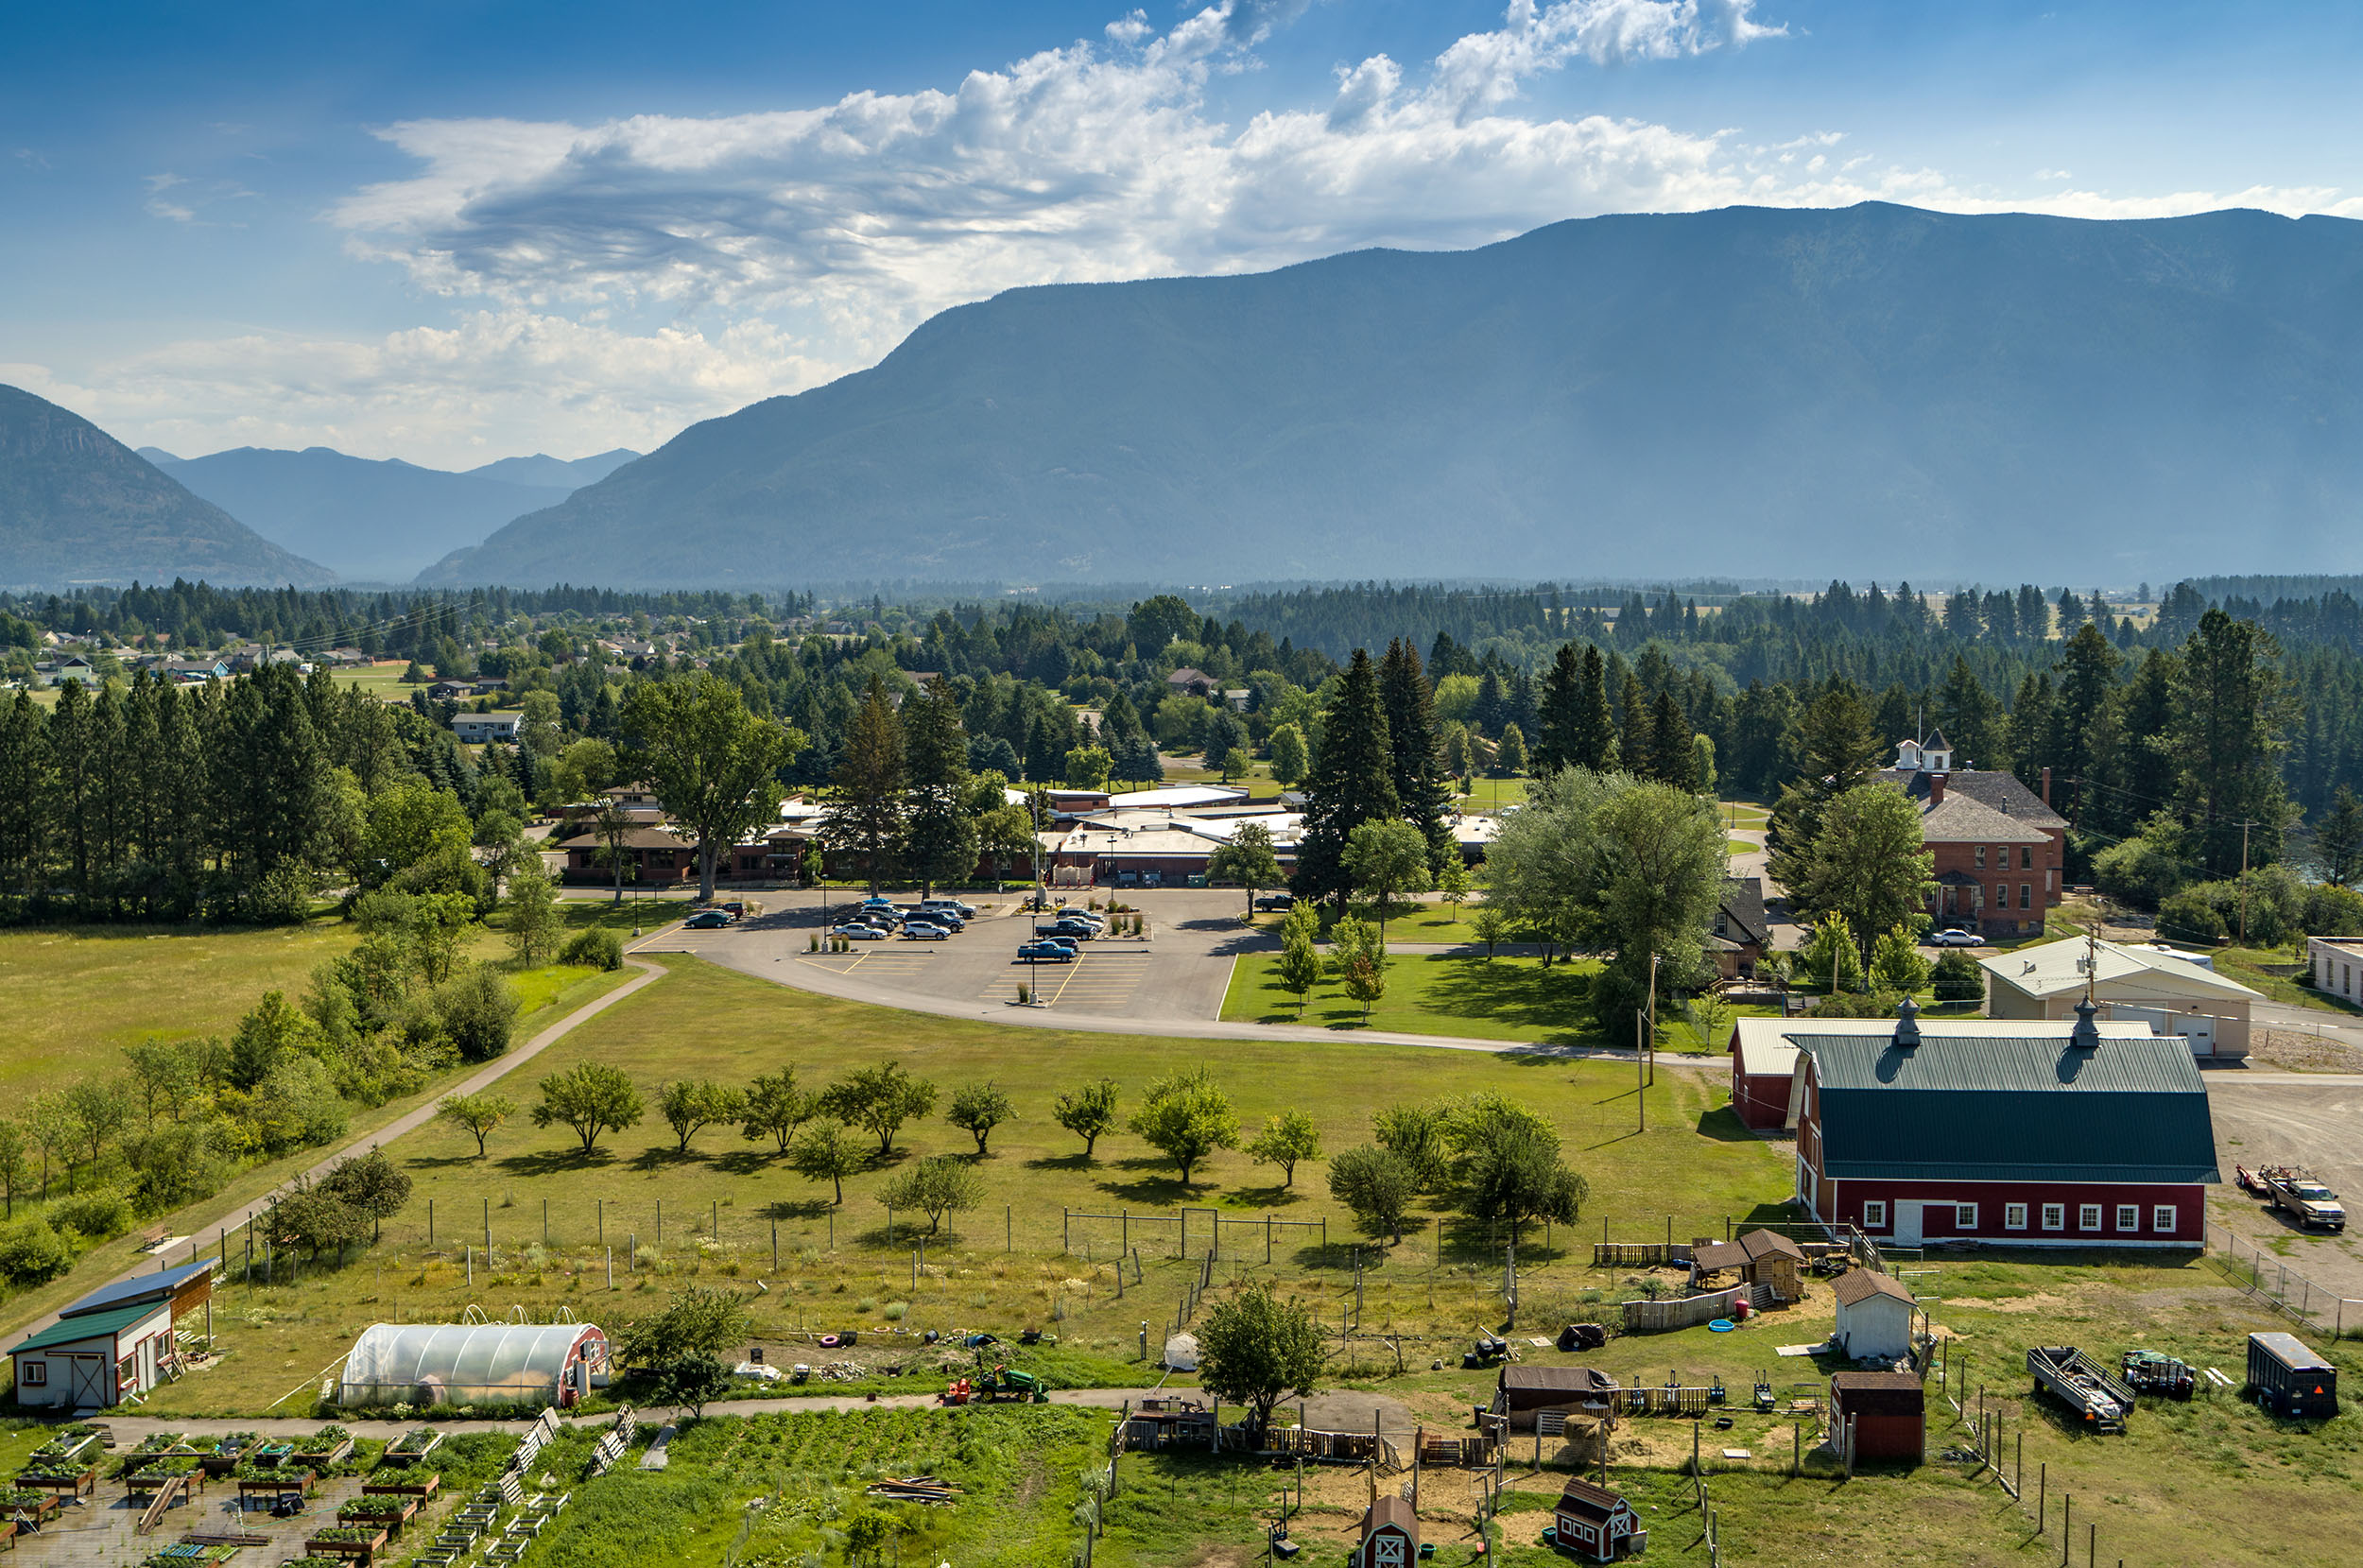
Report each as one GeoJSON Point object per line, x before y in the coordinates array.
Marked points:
{"type": "Point", "coordinates": [1761, 1257]}
{"type": "Point", "coordinates": [1594, 1524]}
{"type": "Point", "coordinates": [95, 1359]}
{"type": "Point", "coordinates": [1875, 1316]}
{"type": "Point", "coordinates": [1888, 1413]}
{"type": "Point", "coordinates": [1390, 1535]}
{"type": "Point", "coordinates": [1522, 1392]}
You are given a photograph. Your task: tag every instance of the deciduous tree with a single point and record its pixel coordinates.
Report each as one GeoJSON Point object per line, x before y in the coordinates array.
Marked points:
{"type": "Point", "coordinates": [879, 1100]}
{"type": "Point", "coordinates": [1255, 1348]}
{"type": "Point", "coordinates": [936, 1186]}
{"type": "Point", "coordinates": [591, 1097]}
{"type": "Point", "coordinates": [1285, 1138]}
{"type": "Point", "coordinates": [977, 1108]}
{"type": "Point", "coordinates": [1186, 1117]}
{"type": "Point", "coordinates": [714, 765]}
{"type": "Point", "coordinates": [478, 1115]}
{"type": "Point", "coordinates": [1087, 1111]}
{"type": "Point", "coordinates": [825, 1151]}
{"type": "Point", "coordinates": [775, 1108]}
{"type": "Point", "coordinates": [1376, 1185]}
{"type": "Point", "coordinates": [692, 1104]}
{"type": "Point", "coordinates": [1247, 859]}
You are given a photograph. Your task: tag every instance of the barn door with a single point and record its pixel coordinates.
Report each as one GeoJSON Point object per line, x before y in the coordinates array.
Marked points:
{"type": "Point", "coordinates": [1908, 1225]}
{"type": "Point", "coordinates": [89, 1382]}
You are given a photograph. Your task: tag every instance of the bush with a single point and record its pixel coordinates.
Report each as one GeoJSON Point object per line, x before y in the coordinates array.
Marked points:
{"type": "Point", "coordinates": [1958, 978]}
{"type": "Point", "coordinates": [31, 1250]}
{"type": "Point", "coordinates": [477, 1010]}
{"type": "Point", "coordinates": [595, 948]}
{"type": "Point", "coordinates": [2143, 871]}
{"type": "Point", "coordinates": [93, 1215]}
{"type": "Point", "coordinates": [1857, 1004]}
{"type": "Point", "coordinates": [2189, 916]}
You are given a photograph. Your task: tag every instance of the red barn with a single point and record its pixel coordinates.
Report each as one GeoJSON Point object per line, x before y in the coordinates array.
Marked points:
{"type": "Point", "coordinates": [2051, 1135]}
{"type": "Point", "coordinates": [1594, 1524]}
{"type": "Point", "coordinates": [1390, 1535]}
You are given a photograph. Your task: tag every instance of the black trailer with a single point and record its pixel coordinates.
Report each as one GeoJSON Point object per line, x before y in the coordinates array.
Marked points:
{"type": "Point", "coordinates": [2289, 1379]}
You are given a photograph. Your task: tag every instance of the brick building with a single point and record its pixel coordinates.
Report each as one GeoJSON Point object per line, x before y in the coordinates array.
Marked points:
{"type": "Point", "coordinates": [1998, 846]}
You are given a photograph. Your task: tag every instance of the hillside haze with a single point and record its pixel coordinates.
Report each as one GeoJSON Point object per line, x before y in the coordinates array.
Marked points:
{"type": "Point", "coordinates": [78, 506]}
{"type": "Point", "coordinates": [376, 521]}
{"type": "Point", "coordinates": [1874, 390]}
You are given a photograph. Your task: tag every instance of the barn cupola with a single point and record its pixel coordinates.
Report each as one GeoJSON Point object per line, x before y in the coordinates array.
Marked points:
{"type": "Point", "coordinates": [2086, 1034]}
{"type": "Point", "coordinates": [1907, 1024]}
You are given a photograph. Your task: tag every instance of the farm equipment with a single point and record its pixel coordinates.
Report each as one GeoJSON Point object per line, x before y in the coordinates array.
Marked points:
{"type": "Point", "coordinates": [1762, 1400]}
{"type": "Point", "coordinates": [2294, 1192]}
{"type": "Point", "coordinates": [2154, 1372]}
{"type": "Point", "coordinates": [2082, 1383]}
{"type": "Point", "coordinates": [999, 1385]}
{"type": "Point", "coordinates": [1488, 1350]}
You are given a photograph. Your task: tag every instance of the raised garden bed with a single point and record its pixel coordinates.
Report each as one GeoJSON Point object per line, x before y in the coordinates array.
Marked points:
{"type": "Point", "coordinates": [276, 1483]}
{"type": "Point", "coordinates": [158, 1474]}
{"type": "Point", "coordinates": [318, 1454]}
{"type": "Point", "coordinates": [354, 1542]}
{"type": "Point", "coordinates": [69, 1442]}
{"type": "Point", "coordinates": [67, 1478]}
{"type": "Point", "coordinates": [388, 1513]}
{"type": "Point", "coordinates": [413, 1445]}
{"type": "Point", "coordinates": [270, 1453]}
{"type": "Point", "coordinates": [32, 1508]}
{"type": "Point", "coordinates": [421, 1487]}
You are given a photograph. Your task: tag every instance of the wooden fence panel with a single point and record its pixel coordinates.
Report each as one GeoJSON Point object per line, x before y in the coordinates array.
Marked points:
{"type": "Point", "coordinates": [1656, 1316]}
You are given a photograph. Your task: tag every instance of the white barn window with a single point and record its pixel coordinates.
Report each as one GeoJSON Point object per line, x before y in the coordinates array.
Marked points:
{"type": "Point", "coordinates": [1874, 1215]}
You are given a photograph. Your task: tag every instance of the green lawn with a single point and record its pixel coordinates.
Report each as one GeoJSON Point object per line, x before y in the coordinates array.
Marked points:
{"type": "Point", "coordinates": [1489, 796]}
{"type": "Point", "coordinates": [1003, 1269]}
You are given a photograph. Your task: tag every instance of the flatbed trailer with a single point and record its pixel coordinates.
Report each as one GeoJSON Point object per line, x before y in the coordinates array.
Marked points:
{"type": "Point", "coordinates": [2082, 1383]}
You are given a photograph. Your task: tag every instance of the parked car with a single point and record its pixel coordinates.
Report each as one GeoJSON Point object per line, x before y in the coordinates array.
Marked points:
{"type": "Point", "coordinates": [857, 932]}
{"type": "Point", "coordinates": [706, 920]}
{"type": "Point", "coordinates": [1956, 938]}
{"type": "Point", "coordinates": [1280, 901]}
{"type": "Point", "coordinates": [1080, 930]}
{"type": "Point", "coordinates": [1052, 953]}
{"type": "Point", "coordinates": [966, 911]}
{"type": "Point", "coordinates": [736, 908]}
{"type": "Point", "coordinates": [927, 922]}
{"type": "Point", "coordinates": [919, 931]}
{"type": "Point", "coordinates": [1070, 943]}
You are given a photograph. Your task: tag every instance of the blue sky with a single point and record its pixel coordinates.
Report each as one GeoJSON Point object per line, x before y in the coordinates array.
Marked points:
{"type": "Point", "coordinates": [453, 231]}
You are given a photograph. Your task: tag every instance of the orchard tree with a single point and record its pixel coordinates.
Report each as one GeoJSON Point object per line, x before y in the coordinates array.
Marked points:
{"type": "Point", "coordinates": [1087, 1111]}
{"type": "Point", "coordinates": [591, 1097]}
{"type": "Point", "coordinates": [478, 1115]}
{"type": "Point", "coordinates": [1376, 1185]}
{"type": "Point", "coordinates": [936, 1186]}
{"type": "Point", "coordinates": [1286, 1139]}
{"type": "Point", "coordinates": [826, 1151]}
{"type": "Point", "coordinates": [775, 1108]}
{"type": "Point", "coordinates": [879, 1100]}
{"type": "Point", "coordinates": [1186, 1116]}
{"type": "Point", "coordinates": [977, 1108]}
{"type": "Point", "coordinates": [692, 1104]}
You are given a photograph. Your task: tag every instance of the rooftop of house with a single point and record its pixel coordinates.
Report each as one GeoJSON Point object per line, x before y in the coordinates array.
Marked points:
{"type": "Point", "coordinates": [2000, 791]}
{"type": "Point", "coordinates": [1743, 918]}
{"type": "Point", "coordinates": [1963, 817]}
{"type": "Point", "coordinates": [2057, 968]}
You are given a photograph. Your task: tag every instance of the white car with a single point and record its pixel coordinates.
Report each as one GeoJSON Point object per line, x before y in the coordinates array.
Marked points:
{"type": "Point", "coordinates": [1955, 939]}
{"type": "Point", "coordinates": [858, 933]}
{"type": "Point", "coordinates": [919, 931]}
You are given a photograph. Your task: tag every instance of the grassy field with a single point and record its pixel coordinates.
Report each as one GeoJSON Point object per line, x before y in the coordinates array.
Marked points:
{"type": "Point", "coordinates": [77, 995]}
{"type": "Point", "coordinates": [1004, 1270]}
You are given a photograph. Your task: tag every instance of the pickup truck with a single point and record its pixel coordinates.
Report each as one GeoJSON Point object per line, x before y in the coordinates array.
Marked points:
{"type": "Point", "coordinates": [2297, 1193]}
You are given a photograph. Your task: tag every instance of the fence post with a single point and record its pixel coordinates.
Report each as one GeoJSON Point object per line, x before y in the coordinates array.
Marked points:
{"type": "Point", "coordinates": [430, 1222]}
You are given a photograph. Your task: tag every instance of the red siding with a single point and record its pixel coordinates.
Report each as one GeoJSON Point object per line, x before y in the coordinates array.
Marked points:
{"type": "Point", "coordinates": [1887, 1437]}
{"type": "Point", "coordinates": [1761, 1098]}
{"type": "Point", "coordinates": [1993, 1197]}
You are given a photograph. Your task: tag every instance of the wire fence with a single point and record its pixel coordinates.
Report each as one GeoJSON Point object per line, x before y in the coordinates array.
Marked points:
{"type": "Point", "coordinates": [2271, 1280]}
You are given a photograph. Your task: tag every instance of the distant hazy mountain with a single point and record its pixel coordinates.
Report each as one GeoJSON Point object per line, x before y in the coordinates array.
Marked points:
{"type": "Point", "coordinates": [540, 469]}
{"type": "Point", "coordinates": [79, 506]}
{"type": "Point", "coordinates": [1876, 389]}
{"type": "Point", "coordinates": [374, 521]}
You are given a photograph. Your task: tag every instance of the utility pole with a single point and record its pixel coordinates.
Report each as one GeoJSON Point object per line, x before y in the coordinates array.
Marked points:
{"type": "Point", "coordinates": [2245, 825]}
{"type": "Point", "coordinates": [1652, 1042]}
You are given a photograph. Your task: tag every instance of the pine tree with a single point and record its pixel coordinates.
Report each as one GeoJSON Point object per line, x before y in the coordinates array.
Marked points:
{"type": "Point", "coordinates": [2085, 727]}
{"type": "Point", "coordinates": [1670, 755]}
{"type": "Point", "coordinates": [2232, 710]}
{"type": "Point", "coordinates": [939, 841]}
{"type": "Point", "coordinates": [1561, 714]}
{"type": "Point", "coordinates": [1593, 742]}
{"type": "Point", "coordinates": [866, 807]}
{"type": "Point", "coordinates": [1633, 743]}
{"type": "Point", "coordinates": [1352, 781]}
{"type": "Point", "coordinates": [2340, 839]}
{"type": "Point", "coordinates": [1972, 719]}
{"type": "Point", "coordinates": [1416, 769]}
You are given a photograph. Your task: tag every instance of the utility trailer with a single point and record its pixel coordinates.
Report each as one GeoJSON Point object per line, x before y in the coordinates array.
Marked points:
{"type": "Point", "coordinates": [2296, 1192]}
{"type": "Point", "coordinates": [2154, 1372]}
{"type": "Point", "coordinates": [2082, 1383]}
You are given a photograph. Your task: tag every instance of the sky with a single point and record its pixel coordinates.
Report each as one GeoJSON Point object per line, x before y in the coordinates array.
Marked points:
{"type": "Point", "coordinates": [451, 232]}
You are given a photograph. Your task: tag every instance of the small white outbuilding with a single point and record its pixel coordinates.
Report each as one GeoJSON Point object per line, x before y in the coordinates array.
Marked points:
{"type": "Point", "coordinates": [1875, 1316]}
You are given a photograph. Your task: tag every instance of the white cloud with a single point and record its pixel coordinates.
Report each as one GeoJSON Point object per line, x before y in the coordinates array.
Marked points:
{"type": "Point", "coordinates": [788, 247]}
{"type": "Point", "coordinates": [496, 382]}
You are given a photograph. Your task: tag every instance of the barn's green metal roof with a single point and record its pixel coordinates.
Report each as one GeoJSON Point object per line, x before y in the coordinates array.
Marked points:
{"type": "Point", "coordinates": [2029, 1108]}
{"type": "Point", "coordinates": [89, 1325]}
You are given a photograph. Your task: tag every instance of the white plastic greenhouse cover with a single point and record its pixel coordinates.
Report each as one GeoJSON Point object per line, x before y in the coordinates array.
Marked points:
{"type": "Point", "coordinates": [466, 1362]}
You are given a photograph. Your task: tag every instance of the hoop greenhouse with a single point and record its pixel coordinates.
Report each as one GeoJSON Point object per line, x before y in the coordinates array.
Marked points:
{"type": "Point", "coordinates": [475, 1364]}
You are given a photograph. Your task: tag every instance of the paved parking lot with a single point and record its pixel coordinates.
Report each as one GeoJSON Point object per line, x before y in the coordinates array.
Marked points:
{"type": "Point", "coordinates": [1178, 974]}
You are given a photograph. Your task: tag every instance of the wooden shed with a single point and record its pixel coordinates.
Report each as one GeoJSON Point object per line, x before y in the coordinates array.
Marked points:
{"type": "Point", "coordinates": [1594, 1524]}
{"type": "Point", "coordinates": [1761, 1257]}
{"type": "Point", "coordinates": [1523, 1393]}
{"type": "Point", "coordinates": [1390, 1535]}
{"type": "Point", "coordinates": [1888, 1414]}
{"type": "Point", "coordinates": [1875, 1316]}
{"type": "Point", "coordinates": [113, 1343]}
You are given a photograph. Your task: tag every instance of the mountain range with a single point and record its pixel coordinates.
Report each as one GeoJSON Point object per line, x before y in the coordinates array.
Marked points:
{"type": "Point", "coordinates": [376, 521]}
{"type": "Point", "coordinates": [79, 506]}
{"type": "Point", "coordinates": [1752, 391]}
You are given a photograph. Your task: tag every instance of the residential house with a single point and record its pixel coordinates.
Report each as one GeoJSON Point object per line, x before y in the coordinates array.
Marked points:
{"type": "Point", "coordinates": [1188, 681]}
{"type": "Point", "coordinates": [1998, 846]}
{"type": "Point", "coordinates": [1741, 933]}
{"type": "Point", "coordinates": [195, 671]}
{"type": "Point", "coordinates": [2052, 1136]}
{"type": "Point", "coordinates": [2148, 985]}
{"type": "Point", "coordinates": [480, 728]}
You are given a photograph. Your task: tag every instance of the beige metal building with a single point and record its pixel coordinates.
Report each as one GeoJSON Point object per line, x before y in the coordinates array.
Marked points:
{"type": "Point", "coordinates": [2172, 992]}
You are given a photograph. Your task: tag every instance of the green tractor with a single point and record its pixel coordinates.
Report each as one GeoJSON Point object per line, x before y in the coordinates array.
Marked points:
{"type": "Point", "coordinates": [1008, 1383]}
